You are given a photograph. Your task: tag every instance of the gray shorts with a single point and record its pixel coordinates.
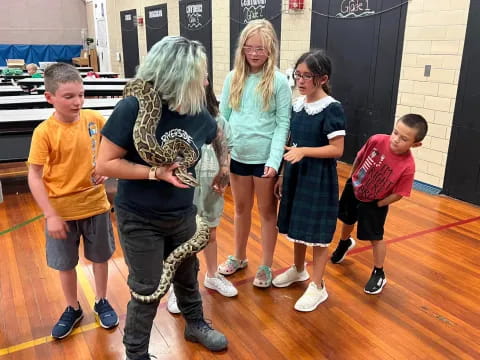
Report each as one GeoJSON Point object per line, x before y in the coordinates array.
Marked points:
{"type": "Point", "coordinates": [98, 242]}
{"type": "Point", "coordinates": [209, 204]}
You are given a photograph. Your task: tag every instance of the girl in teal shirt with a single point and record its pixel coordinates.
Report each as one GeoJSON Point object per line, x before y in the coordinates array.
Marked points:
{"type": "Point", "coordinates": [256, 101]}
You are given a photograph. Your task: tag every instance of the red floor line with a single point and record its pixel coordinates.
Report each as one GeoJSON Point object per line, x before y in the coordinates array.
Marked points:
{"type": "Point", "coordinates": [419, 233]}
{"type": "Point", "coordinates": [204, 290]}
{"type": "Point", "coordinates": [365, 248]}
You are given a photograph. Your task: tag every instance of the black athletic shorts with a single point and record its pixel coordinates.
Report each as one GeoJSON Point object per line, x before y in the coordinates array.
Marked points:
{"type": "Point", "coordinates": [370, 217]}
{"type": "Point", "coordinates": [242, 169]}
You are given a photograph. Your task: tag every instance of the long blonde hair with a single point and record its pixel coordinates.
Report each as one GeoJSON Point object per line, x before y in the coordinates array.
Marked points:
{"type": "Point", "coordinates": [241, 69]}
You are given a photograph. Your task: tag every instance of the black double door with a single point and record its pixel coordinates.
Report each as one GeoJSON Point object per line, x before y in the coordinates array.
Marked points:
{"type": "Point", "coordinates": [156, 22]}
{"type": "Point", "coordinates": [196, 24]}
{"type": "Point", "coordinates": [462, 176]}
{"type": "Point", "coordinates": [364, 39]}
{"type": "Point", "coordinates": [128, 23]}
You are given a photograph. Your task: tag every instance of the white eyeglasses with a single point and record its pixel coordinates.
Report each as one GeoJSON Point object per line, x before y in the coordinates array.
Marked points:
{"type": "Point", "coordinates": [250, 50]}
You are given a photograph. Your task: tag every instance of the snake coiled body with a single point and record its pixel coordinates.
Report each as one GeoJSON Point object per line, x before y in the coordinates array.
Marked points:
{"type": "Point", "coordinates": [173, 149]}
{"type": "Point", "coordinates": [196, 243]}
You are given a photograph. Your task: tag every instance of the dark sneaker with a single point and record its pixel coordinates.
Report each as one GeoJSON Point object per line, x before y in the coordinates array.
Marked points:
{"type": "Point", "coordinates": [106, 315]}
{"type": "Point", "coordinates": [376, 283]}
{"type": "Point", "coordinates": [144, 357]}
{"type": "Point", "coordinates": [201, 332]}
{"type": "Point", "coordinates": [67, 322]}
{"type": "Point", "coordinates": [343, 247]}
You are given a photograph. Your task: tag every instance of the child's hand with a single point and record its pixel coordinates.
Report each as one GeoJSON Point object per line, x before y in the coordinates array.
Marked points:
{"type": "Point", "coordinates": [57, 228]}
{"type": "Point", "coordinates": [98, 179]}
{"type": "Point", "coordinates": [221, 180]}
{"type": "Point", "coordinates": [277, 188]}
{"type": "Point", "coordinates": [294, 154]}
{"type": "Point", "coordinates": [269, 172]}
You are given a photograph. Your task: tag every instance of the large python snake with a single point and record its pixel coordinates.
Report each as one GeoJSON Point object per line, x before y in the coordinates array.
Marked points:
{"type": "Point", "coordinates": [176, 150]}
{"type": "Point", "coordinates": [170, 151]}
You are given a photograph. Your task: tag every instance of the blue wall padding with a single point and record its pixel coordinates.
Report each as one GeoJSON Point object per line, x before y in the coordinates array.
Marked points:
{"type": "Point", "coordinates": [37, 53]}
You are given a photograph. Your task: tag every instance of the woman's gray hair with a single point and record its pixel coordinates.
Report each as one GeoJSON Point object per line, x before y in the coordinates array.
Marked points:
{"type": "Point", "coordinates": [177, 67]}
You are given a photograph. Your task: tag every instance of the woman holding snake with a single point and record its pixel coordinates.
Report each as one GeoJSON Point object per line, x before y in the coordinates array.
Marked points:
{"type": "Point", "coordinates": [154, 207]}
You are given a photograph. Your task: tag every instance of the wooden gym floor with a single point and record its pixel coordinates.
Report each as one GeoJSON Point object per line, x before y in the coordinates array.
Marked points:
{"type": "Point", "coordinates": [429, 308]}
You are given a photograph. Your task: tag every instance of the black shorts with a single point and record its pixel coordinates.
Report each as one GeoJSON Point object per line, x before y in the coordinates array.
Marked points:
{"type": "Point", "coordinates": [370, 217]}
{"type": "Point", "coordinates": [242, 169]}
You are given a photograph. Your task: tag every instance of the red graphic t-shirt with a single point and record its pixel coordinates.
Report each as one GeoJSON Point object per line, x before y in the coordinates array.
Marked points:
{"type": "Point", "coordinates": [380, 172]}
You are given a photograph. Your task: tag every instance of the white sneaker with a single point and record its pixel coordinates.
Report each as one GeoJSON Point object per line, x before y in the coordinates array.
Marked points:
{"type": "Point", "coordinates": [312, 297]}
{"type": "Point", "coordinates": [220, 284]}
{"type": "Point", "coordinates": [290, 276]}
{"type": "Point", "coordinates": [172, 305]}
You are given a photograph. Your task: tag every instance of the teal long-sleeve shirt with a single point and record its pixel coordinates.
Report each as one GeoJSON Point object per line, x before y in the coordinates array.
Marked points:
{"type": "Point", "coordinates": [258, 136]}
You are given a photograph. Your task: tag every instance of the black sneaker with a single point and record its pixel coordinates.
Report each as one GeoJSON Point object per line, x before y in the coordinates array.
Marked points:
{"type": "Point", "coordinates": [343, 247]}
{"type": "Point", "coordinates": [106, 315]}
{"type": "Point", "coordinates": [67, 322]}
{"type": "Point", "coordinates": [144, 357]}
{"type": "Point", "coordinates": [376, 283]}
{"type": "Point", "coordinates": [201, 332]}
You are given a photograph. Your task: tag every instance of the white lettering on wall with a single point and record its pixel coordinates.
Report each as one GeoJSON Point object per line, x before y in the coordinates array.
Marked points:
{"type": "Point", "coordinates": [155, 13]}
{"type": "Point", "coordinates": [253, 9]}
{"type": "Point", "coordinates": [194, 14]}
{"type": "Point", "coordinates": [354, 8]}
{"type": "Point", "coordinates": [244, 3]}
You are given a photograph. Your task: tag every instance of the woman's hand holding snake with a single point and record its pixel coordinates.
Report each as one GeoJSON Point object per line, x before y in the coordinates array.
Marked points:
{"type": "Point", "coordinates": [165, 173]}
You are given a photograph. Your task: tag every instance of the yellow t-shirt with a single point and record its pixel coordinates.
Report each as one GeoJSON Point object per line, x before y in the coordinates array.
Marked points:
{"type": "Point", "coordinates": [67, 152]}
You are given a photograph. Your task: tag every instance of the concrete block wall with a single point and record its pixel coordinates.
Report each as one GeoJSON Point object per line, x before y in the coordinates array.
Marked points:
{"type": "Point", "coordinates": [220, 43]}
{"type": "Point", "coordinates": [114, 27]}
{"type": "Point", "coordinates": [295, 33]}
{"type": "Point", "coordinates": [434, 35]}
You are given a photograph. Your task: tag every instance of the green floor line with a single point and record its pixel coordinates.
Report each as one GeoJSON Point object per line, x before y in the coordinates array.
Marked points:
{"type": "Point", "coordinates": [18, 226]}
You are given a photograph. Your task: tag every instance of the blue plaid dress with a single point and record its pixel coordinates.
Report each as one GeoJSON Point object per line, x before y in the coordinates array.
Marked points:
{"type": "Point", "coordinates": [309, 206]}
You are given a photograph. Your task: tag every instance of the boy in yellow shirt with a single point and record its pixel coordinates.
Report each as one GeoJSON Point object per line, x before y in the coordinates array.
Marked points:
{"type": "Point", "coordinates": [63, 182]}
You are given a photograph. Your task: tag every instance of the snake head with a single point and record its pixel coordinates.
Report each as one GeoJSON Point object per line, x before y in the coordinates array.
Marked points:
{"type": "Point", "coordinates": [185, 177]}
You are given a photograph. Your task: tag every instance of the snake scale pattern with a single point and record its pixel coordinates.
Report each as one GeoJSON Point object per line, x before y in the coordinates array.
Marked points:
{"type": "Point", "coordinates": [155, 154]}
{"type": "Point", "coordinates": [196, 243]}
{"type": "Point", "coordinates": [174, 150]}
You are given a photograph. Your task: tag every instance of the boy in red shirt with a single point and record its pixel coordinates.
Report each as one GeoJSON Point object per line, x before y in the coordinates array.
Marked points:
{"type": "Point", "coordinates": [382, 173]}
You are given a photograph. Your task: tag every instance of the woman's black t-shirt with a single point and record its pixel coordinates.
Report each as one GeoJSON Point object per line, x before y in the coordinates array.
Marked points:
{"type": "Point", "coordinates": [156, 199]}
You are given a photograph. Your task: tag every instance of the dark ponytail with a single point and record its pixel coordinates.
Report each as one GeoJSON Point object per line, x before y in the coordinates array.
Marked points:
{"type": "Point", "coordinates": [212, 102]}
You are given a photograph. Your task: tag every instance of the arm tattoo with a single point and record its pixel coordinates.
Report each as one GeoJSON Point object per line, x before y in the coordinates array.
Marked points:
{"type": "Point", "coordinates": [221, 150]}
{"type": "Point", "coordinates": [220, 147]}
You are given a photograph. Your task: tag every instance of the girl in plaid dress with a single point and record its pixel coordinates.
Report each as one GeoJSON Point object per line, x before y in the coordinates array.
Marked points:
{"type": "Point", "coordinates": [309, 191]}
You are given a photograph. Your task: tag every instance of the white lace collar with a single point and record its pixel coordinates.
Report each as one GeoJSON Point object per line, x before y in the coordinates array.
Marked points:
{"type": "Point", "coordinates": [312, 108]}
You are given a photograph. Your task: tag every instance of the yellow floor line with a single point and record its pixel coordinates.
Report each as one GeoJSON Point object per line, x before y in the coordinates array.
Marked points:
{"type": "Point", "coordinates": [89, 294]}
{"type": "Point", "coordinates": [85, 285]}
